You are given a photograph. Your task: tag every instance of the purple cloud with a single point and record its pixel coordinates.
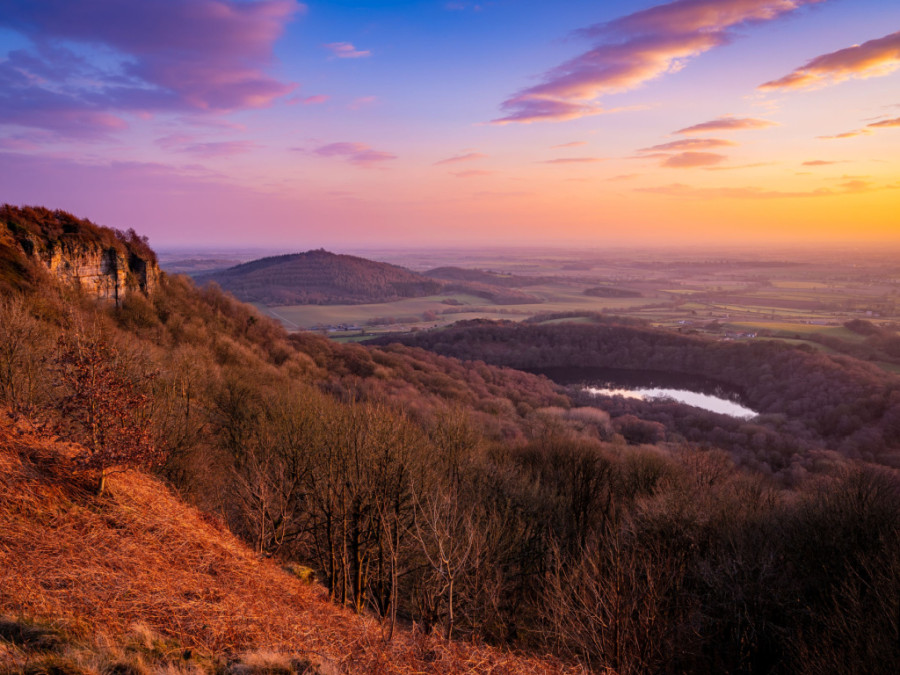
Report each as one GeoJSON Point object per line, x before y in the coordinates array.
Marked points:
{"type": "Point", "coordinates": [468, 157]}
{"type": "Point", "coordinates": [690, 160]}
{"type": "Point", "coordinates": [690, 144]}
{"type": "Point", "coordinates": [473, 173]}
{"type": "Point", "coordinates": [355, 153]}
{"type": "Point", "coordinates": [573, 160]}
{"type": "Point", "coordinates": [346, 50]}
{"type": "Point", "coordinates": [635, 49]}
{"type": "Point", "coordinates": [874, 58]}
{"type": "Point", "coordinates": [218, 148]}
{"type": "Point", "coordinates": [727, 123]}
{"type": "Point", "coordinates": [141, 56]}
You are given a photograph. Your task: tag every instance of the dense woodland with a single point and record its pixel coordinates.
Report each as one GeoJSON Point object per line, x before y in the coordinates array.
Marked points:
{"type": "Point", "coordinates": [485, 503]}
{"type": "Point", "coordinates": [807, 399]}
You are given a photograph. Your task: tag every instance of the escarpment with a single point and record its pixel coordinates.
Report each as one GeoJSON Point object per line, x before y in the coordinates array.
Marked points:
{"type": "Point", "coordinates": [107, 264]}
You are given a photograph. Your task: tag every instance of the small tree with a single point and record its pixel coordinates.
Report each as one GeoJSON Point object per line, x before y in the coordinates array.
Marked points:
{"type": "Point", "coordinates": [102, 407]}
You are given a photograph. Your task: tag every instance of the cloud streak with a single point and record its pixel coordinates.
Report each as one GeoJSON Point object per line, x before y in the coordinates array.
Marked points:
{"type": "Point", "coordinates": [636, 49]}
{"type": "Point", "coordinates": [468, 157]}
{"type": "Point", "coordinates": [690, 144]}
{"type": "Point", "coordinates": [882, 124]}
{"type": "Point", "coordinates": [691, 160]}
{"type": "Point", "coordinates": [573, 160]}
{"type": "Point", "coordinates": [346, 50]}
{"type": "Point", "coordinates": [359, 154]}
{"type": "Point", "coordinates": [687, 191]}
{"type": "Point", "coordinates": [198, 56]}
{"type": "Point", "coordinates": [727, 123]}
{"type": "Point", "coordinates": [885, 123]}
{"type": "Point", "coordinates": [473, 173]}
{"type": "Point", "coordinates": [874, 58]}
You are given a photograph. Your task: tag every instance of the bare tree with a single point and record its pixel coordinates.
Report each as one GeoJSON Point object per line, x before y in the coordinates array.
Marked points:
{"type": "Point", "coordinates": [101, 405]}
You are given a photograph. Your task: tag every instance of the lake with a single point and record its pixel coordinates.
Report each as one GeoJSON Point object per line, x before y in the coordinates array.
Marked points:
{"type": "Point", "coordinates": [650, 385]}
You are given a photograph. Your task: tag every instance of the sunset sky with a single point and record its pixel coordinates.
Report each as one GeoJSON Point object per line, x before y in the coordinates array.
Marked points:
{"type": "Point", "coordinates": [416, 123]}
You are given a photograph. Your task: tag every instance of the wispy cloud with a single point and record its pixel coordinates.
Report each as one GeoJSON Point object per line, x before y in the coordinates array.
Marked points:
{"type": "Point", "coordinates": [574, 160]}
{"type": "Point", "coordinates": [874, 58]}
{"type": "Point", "coordinates": [359, 154]}
{"type": "Point", "coordinates": [316, 99]}
{"type": "Point", "coordinates": [473, 173]}
{"type": "Point", "coordinates": [219, 148]}
{"type": "Point", "coordinates": [820, 162]}
{"type": "Point", "coordinates": [882, 124]}
{"type": "Point", "coordinates": [727, 123]}
{"type": "Point", "coordinates": [179, 55]}
{"type": "Point", "coordinates": [846, 134]}
{"type": "Point", "coordinates": [691, 160]}
{"type": "Point", "coordinates": [572, 144]}
{"type": "Point", "coordinates": [468, 157]}
{"type": "Point", "coordinates": [346, 50]}
{"type": "Point", "coordinates": [462, 6]}
{"type": "Point", "coordinates": [690, 144]}
{"type": "Point", "coordinates": [690, 192]}
{"type": "Point", "coordinates": [635, 49]}
{"type": "Point", "coordinates": [885, 123]}
{"type": "Point", "coordinates": [362, 102]}
{"type": "Point", "coordinates": [738, 167]}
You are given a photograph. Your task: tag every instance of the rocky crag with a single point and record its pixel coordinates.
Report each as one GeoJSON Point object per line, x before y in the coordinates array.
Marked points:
{"type": "Point", "coordinates": [107, 264]}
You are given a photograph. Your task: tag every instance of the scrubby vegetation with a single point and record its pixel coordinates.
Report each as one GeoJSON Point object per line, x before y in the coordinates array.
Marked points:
{"type": "Point", "coordinates": [441, 503]}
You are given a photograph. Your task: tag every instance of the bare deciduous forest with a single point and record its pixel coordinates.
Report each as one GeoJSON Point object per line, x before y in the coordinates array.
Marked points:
{"type": "Point", "coordinates": [432, 485]}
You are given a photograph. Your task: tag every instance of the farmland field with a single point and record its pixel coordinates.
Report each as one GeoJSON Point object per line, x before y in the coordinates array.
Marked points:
{"type": "Point", "coordinates": [727, 295]}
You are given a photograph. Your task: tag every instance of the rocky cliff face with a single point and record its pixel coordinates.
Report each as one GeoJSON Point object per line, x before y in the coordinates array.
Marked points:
{"type": "Point", "coordinates": [105, 273]}
{"type": "Point", "coordinates": [105, 263]}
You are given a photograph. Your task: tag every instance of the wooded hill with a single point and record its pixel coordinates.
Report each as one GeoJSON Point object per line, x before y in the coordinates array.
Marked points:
{"type": "Point", "coordinates": [321, 278]}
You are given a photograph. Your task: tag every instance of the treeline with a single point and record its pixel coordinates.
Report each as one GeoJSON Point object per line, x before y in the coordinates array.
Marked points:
{"type": "Point", "coordinates": [839, 402]}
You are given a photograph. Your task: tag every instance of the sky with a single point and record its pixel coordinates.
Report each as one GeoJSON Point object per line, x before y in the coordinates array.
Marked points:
{"type": "Point", "coordinates": [432, 123]}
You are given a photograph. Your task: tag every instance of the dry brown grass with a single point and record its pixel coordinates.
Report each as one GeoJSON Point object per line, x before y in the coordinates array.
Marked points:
{"type": "Point", "coordinates": [137, 569]}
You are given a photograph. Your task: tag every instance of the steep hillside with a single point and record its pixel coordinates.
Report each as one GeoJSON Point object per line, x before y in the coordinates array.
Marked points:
{"type": "Point", "coordinates": [136, 580]}
{"type": "Point", "coordinates": [320, 277]}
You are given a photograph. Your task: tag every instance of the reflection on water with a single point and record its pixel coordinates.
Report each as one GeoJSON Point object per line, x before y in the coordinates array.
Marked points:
{"type": "Point", "coordinates": [706, 401]}
{"type": "Point", "coordinates": [649, 385]}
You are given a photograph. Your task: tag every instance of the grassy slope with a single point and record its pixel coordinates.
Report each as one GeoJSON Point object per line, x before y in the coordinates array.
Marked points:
{"type": "Point", "coordinates": [137, 577]}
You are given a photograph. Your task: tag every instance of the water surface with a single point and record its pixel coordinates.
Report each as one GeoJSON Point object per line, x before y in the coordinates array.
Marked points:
{"type": "Point", "coordinates": [652, 385]}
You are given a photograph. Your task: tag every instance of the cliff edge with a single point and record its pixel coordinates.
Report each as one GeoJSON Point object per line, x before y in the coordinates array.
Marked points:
{"type": "Point", "coordinates": [105, 263]}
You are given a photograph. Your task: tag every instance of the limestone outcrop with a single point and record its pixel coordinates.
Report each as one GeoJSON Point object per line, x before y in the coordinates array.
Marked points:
{"type": "Point", "coordinates": [105, 263]}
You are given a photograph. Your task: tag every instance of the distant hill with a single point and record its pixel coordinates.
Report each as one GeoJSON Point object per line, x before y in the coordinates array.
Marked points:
{"type": "Point", "coordinates": [321, 278]}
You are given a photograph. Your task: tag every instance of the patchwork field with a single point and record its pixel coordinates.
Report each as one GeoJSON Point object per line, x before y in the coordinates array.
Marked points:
{"type": "Point", "coordinates": [806, 297]}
